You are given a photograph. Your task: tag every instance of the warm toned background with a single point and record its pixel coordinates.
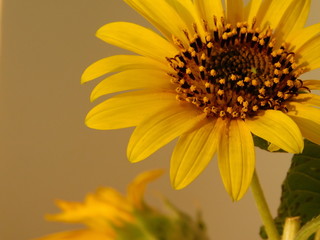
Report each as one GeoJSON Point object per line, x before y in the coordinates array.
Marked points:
{"type": "Point", "coordinates": [46, 151]}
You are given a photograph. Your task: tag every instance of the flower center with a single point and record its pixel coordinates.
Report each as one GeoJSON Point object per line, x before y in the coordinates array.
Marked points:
{"type": "Point", "coordinates": [235, 72]}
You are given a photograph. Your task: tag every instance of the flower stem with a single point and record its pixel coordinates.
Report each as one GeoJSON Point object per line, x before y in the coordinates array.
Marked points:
{"type": "Point", "coordinates": [263, 209]}
{"type": "Point", "coordinates": [291, 228]}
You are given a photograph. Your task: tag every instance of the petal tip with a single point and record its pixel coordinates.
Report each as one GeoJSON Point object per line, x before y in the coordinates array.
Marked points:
{"type": "Point", "coordinates": [237, 195]}
{"type": "Point", "coordinates": [84, 78]}
{"type": "Point", "coordinates": [132, 156]}
{"type": "Point", "coordinates": [178, 185]}
{"type": "Point", "coordinates": [93, 96]}
{"type": "Point", "coordinates": [178, 181]}
{"type": "Point", "coordinates": [98, 33]}
{"type": "Point", "coordinates": [301, 146]}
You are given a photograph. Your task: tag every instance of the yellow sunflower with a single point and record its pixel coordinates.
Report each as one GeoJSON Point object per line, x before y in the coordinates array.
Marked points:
{"type": "Point", "coordinates": [217, 74]}
{"type": "Point", "coordinates": [109, 215]}
{"type": "Point", "coordinates": [103, 212]}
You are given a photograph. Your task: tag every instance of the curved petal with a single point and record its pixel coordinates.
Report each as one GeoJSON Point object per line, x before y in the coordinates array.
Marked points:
{"type": "Point", "coordinates": [309, 129]}
{"type": "Point", "coordinates": [308, 120]}
{"type": "Point", "coordinates": [78, 235]}
{"type": "Point", "coordinates": [308, 99]}
{"type": "Point", "coordinates": [208, 9]}
{"type": "Point", "coordinates": [272, 147]}
{"type": "Point", "coordinates": [312, 84]}
{"type": "Point", "coordinates": [110, 196]}
{"type": "Point", "coordinates": [294, 19]}
{"type": "Point", "coordinates": [188, 13]}
{"type": "Point", "coordinates": [137, 39]}
{"type": "Point", "coordinates": [137, 188]}
{"type": "Point", "coordinates": [299, 38]}
{"type": "Point", "coordinates": [272, 12]}
{"type": "Point", "coordinates": [163, 16]}
{"type": "Point", "coordinates": [235, 11]}
{"type": "Point", "coordinates": [251, 10]}
{"type": "Point", "coordinates": [277, 128]}
{"type": "Point", "coordinates": [100, 211]}
{"type": "Point", "coordinates": [303, 111]}
{"type": "Point", "coordinates": [95, 212]}
{"type": "Point", "coordinates": [193, 152]}
{"type": "Point", "coordinates": [132, 79]}
{"type": "Point", "coordinates": [310, 54]}
{"type": "Point", "coordinates": [119, 63]}
{"type": "Point", "coordinates": [236, 157]}
{"type": "Point", "coordinates": [161, 128]}
{"type": "Point", "coordinates": [127, 110]}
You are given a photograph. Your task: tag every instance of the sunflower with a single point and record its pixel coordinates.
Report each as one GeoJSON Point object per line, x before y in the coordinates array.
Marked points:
{"type": "Point", "coordinates": [109, 215]}
{"type": "Point", "coordinates": [216, 75]}
{"type": "Point", "coordinates": [103, 211]}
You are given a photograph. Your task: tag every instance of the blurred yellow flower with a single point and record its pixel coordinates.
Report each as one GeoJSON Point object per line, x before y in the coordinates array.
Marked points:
{"type": "Point", "coordinates": [102, 211]}
{"type": "Point", "coordinates": [108, 215]}
{"type": "Point", "coordinates": [215, 77]}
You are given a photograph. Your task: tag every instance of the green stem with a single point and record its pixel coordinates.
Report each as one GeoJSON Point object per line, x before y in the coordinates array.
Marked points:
{"type": "Point", "coordinates": [263, 209]}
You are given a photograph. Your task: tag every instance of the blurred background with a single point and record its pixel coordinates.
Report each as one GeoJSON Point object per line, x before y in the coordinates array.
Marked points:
{"type": "Point", "coordinates": [46, 151]}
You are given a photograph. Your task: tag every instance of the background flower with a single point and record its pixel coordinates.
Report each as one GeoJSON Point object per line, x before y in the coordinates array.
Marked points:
{"type": "Point", "coordinates": [110, 215]}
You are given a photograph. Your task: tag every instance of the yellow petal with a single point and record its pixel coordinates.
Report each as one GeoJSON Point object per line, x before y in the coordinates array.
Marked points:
{"type": "Point", "coordinates": [127, 110]}
{"type": "Point", "coordinates": [301, 37]}
{"type": "Point", "coordinates": [110, 196]}
{"type": "Point", "coordinates": [79, 235]}
{"type": "Point", "coordinates": [95, 212]}
{"type": "Point", "coordinates": [188, 14]}
{"type": "Point", "coordinates": [119, 63]}
{"type": "Point", "coordinates": [272, 147]}
{"type": "Point", "coordinates": [208, 9]}
{"type": "Point", "coordinates": [308, 99]}
{"type": "Point", "coordinates": [303, 111]}
{"type": "Point", "coordinates": [272, 12]}
{"type": "Point", "coordinates": [137, 188]}
{"type": "Point", "coordinates": [310, 54]}
{"type": "Point", "coordinates": [251, 10]}
{"type": "Point", "coordinates": [86, 214]}
{"type": "Point", "coordinates": [294, 19]}
{"type": "Point", "coordinates": [161, 128]}
{"type": "Point", "coordinates": [277, 128]}
{"type": "Point", "coordinates": [309, 129]}
{"type": "Point", "coordinates": [137, 39]}
{"type": "Point", "coordinates": [132, 79]}
{"type": "Point", "coordinates": [163, 16]}
{"type": "Point", "coordinates": [67, 205]}
{"type": "Point", "coordinates": [101, 208]}
{"type": "Point", "coordinates": [235, 11]}
{"type": "Point", "coordinates": [308, 120]}
{"type": "Point", "coordinates": [312, 84]}
{"type": "Point", "coordinates": [236, 158]}
{"type": "Point", "coordinates": [193, 152]}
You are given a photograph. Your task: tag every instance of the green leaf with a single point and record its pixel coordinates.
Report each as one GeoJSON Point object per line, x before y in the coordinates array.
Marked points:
{"type": "Point", "coordinates": [260, 142]}
{"type": "Point", "coordinates": [301, 188]}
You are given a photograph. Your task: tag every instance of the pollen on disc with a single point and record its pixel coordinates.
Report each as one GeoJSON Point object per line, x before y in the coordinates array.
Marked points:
{"type": "Point", "coordinates": [235, 72]}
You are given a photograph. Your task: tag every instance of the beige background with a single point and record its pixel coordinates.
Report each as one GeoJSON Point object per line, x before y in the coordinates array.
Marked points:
{"type": "Point", "coordinates": [46, 150]}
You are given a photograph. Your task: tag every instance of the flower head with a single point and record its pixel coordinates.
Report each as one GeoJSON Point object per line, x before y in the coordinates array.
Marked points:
{"type": "Point", "coordinates": [217, 76]}
{"type": "Point", "coordinates": [109, 215]}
